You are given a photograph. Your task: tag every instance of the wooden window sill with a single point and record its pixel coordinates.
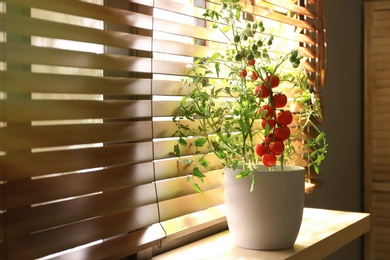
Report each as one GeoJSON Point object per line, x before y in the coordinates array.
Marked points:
{"type": "Point", "coordinates": [322, 232]}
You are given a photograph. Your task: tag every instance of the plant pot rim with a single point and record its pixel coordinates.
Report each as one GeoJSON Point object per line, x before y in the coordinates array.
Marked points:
{"type": "Point", "coordinates": [277, 168]}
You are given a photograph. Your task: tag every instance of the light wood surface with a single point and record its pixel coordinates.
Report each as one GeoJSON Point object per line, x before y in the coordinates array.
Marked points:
{"type": "Point", "coordinates": [322, 232]}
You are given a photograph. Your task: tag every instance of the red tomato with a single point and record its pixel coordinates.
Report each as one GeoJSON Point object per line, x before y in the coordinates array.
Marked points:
{"type": "Point", "coordinates": [269, 138]}
{"type": "Point", "coordinates": [270, 112]}
{"type": "Point", "coordinates": [272, 81]}
{"type": "Point", "coordinates": [282, 133]}
{"type": "Point", "coordinates": [269, 122]}
{"type": "Point", "coordinates": [269, 159]}
{"type": "Point", "coordinates": [262, 91]}
{"type": "Point", "coordinates": [251, 62]}
{"type": "Point", "coordinates": [276, 147]}
{"type": "Point", "coordinates": [261, 149]}
{"type": "Point", "coordinates": [254, 76]}
{"type": "Point", "coordinates": [243, 73]}
{"type": "Point", "coordinates": [284, 117]}
{"type": "Point", "coordinates": [280, 100]}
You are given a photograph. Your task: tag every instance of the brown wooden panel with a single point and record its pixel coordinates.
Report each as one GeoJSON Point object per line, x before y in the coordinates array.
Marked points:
{"type": "Point", "coordinates": [26, 54]}
{"type": "Point", "coordinates": [38, 27]}
{"type": "Point", "coordinates": [29, 110]}
{"type": "Point", "coordinates": [25, 137]}
{"type": "Point", "coordinates": [27, 192]}
{"type": "Point", "coordinates": [118, 247]}
{"type": "Point", "coordinates": [27, 82]}
{"type": "Point", "coordinates": [79, 233]}
{"type": "Point", "coordinates": [85, 9]}
{"type": "Point", "coordinates": [26, 220]}
{"type": "Point", "coordinates": [20, 166]}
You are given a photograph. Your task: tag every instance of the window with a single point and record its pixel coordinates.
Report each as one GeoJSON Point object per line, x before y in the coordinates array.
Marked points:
{"type": "Point", "coordinates": [88, 89]}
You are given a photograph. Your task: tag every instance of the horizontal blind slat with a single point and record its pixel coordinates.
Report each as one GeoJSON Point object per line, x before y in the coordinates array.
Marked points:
{"type": "Point", "coordinates": [89, 10]}
{"type": "Point", "coordinates": [26, 54]}
{"type": "Point", "coordinates": [25, 192]}
{"type": "Point", "coordinates": [37, 27]}
{"type": "Point", "coordinates": [30, 110]}
{"type": "Point", "coordinates": [27, 82]}
{"type": "Point", "coordinates": [37, 164]}
{"type": "Point", "coordinates": [79, 233]}
{"type": "Point", "coordinates": [21, 137]}
{"type": "Point", "coordinates": [26, 220]}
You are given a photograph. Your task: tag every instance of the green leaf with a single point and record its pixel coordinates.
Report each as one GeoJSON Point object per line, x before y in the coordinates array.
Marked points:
{"type": "Point", "coordinates": [197, 173]}
{"type": "Point", "coordinates": [319, 137]}
{"type": "Point", "coordinates": [196, 187]}
{"type": "Point", "coordinates": [242, 174]}
{"type": "Point", "coordinates": [176, 150]}
{"type": "Point", "coordinates": [215, 55]}
{"type": "Point", "coordinates": [204, 162]}
{"type": "Point", "coordinates": [200, 142]}
{"type": "Point", "coordinates": [182, 141]}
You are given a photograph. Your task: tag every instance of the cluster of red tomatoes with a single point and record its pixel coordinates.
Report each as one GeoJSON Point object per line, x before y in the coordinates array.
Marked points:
{"type": "Point", "coordinates": [273, 144]}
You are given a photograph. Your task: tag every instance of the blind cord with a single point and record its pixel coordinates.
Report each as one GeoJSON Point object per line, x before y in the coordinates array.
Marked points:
{"type": "Point", "coordinates": [154, 169]}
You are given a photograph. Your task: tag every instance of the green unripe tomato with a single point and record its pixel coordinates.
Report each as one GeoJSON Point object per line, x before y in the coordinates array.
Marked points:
{"type": "Point", "coordinates": [254, 47]}
{"type": "Point", "coordinates": [238, 57]}
{"type": "Point", "coordinates": [237, 38]}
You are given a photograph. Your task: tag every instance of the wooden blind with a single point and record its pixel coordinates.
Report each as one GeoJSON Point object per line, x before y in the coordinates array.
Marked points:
{"type": "Point", "coordinates": [377, 128]}
{"type": "Point", "coordinates": [88, 90]}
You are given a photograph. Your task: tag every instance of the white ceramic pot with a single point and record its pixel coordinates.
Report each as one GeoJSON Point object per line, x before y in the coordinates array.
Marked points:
{"type": "Point", "coordinates": [268, 218]}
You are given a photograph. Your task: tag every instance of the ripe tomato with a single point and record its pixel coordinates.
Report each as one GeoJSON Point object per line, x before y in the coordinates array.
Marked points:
{"type": "Point", "coordinates": [272, 81]}
{"type": "Point", "coordinates": [284, 117]}
{"type": "Point", "coordinates": [269, 122]}
{"type": "Point", "coordinates": [268, 111]}
{"type": "Point", "coordinates": [269, 138]}
{"type": "Point", "coordinates": [251, 62]}
{"type": "Point", "coordinates": [243, 73]}
{"type": "Point", "coordinates": [269, 159]}
{"type": "Point", "coordinates": [280, 100]}
{"type": "Point", "coordinates": [276, 147]}
{"type": "Point", "coordinates": [261, 149]}
{"type": "Point", "coordinates": [282, 133]}
{"type": "Point", "coordinates": [254, 76]}
{"type": "Point", "coordinates": [262, 91]}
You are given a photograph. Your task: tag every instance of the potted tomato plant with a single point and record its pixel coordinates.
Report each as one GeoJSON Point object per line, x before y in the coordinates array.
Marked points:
{"type": "Point", "coordinates": [242, 115]}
